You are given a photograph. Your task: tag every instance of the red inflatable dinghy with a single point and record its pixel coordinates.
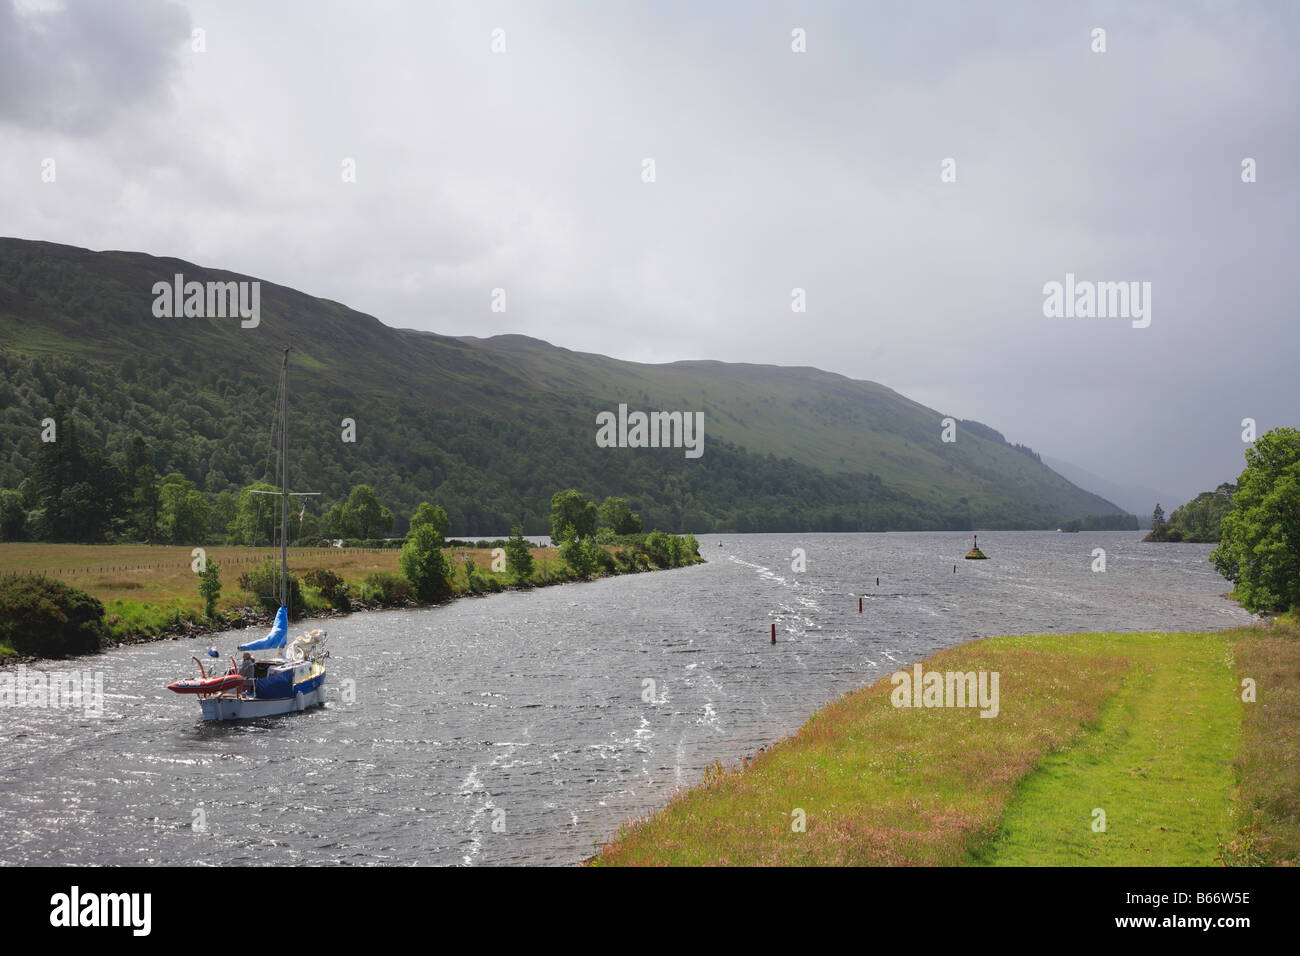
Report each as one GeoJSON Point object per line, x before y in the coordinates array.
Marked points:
{"type": "Point", "coordinates": [207, 685]}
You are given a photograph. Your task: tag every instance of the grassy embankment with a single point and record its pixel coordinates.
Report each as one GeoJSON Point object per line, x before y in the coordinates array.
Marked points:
{"type": "Point", "coordinates": [1149, 728]}
{"type": "Point", "coordinates": [147, 589]}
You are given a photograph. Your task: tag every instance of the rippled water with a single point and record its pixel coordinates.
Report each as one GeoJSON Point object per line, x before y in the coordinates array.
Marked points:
{"type": "Point", "coordinates": [532, 711]}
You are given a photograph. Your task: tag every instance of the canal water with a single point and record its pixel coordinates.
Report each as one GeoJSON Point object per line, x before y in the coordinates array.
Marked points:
{"type": "Point", "coordinates": [525, 727]}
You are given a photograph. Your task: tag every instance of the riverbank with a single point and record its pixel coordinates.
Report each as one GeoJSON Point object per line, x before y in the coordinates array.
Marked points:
{"type": "Point", "coordinates": [150, 593]}
{"type": "Point", "coordinates": [1107, 749]}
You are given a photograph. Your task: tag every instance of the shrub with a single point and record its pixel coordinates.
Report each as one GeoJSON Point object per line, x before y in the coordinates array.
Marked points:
{"type": "Point", "coordinates": [579, 553]}
{"type": "Point", "coordinates": [604, 560]}
{"type": "Point", "coordinates": [658, 548]}
{"type": "Point", "coordinates": [331, 586]}
{"type": "Point", "coordinates": [519, 560]}
{"type": "Point", "coordinates": [210, 587]}
{"type": "Point", "coordinates": [47, 618]}
{"type": "Point", "coordinates": [313, 601]}
{"type": "Point", "coordinates": [475, 580]}
{"type": "Point", "coordinates": [424, 565]}
{"type": "Point", "coordinates": [263, 582]}
{"type": "Point", "coordinates": [384, 587]}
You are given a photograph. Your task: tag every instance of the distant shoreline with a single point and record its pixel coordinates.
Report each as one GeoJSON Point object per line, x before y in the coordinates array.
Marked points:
{"type": "Point", "coordinates": [250, 618]}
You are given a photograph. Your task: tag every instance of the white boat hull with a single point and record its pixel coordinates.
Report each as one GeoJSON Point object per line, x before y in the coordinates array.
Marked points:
{"type": "Point", "coordinates": [250, 708]}
{"type": "Point", "coordinates": [303, 684]}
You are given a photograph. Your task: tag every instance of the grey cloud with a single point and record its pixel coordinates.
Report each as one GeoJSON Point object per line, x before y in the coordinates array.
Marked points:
{"type": "Point", "coordinates": [75, 69]}
{"type": "Point", "coordinates": [818, 170]}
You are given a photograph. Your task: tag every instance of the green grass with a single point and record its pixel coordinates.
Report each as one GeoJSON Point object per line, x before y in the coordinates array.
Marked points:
{"type": "Point", "coordinates": [125, 617]}
{"type": "Point", "coordinates": [1150, 728]}
{"type": "Point", "coordinates": [1268, 765]}
{"type": "Point", "coordinates": [1158, 765]}
{"type": "Point", "coordinates": [884, 785]}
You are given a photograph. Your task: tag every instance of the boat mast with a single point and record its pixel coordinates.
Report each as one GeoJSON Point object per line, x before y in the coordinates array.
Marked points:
{"type": "Point", "coordinates": [284, 480]}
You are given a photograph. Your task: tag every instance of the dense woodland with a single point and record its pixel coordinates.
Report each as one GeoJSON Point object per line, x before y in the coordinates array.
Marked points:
{"type": "Point", "coordinates": [209, 442]}
{"type": "Point", "coordinates": [162, 427]}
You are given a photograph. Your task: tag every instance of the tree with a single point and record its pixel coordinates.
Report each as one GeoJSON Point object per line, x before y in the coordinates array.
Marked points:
{"type": "Point", "coordinates": [570, 509]}
{"type": "Point", "coordinates": [308, 528]}
{"type": "Point", "coordinates": [578, 553]}
{"type": "Point", "coordinates": [431, 515]}
{"type": "Point", "coordinates": [618, 517]}
{"type": "Point", "coordinates": [519, 557]}
{"type": "Point", "coordinates": [1200, 519]}
{"type": "Point", "coordinates": [424, 565]}
{"type": "Point", "coordinates": [1158, 520]}
{"type": "Point", "coordinates": [1259, 550]}
{"type": "Point", "coordinates": [76, 494]}
{"type": "Point", "coordinates": [141, 480]}
{"type": "Point", "coordinates": [255, 516]}
{"type": "Point", "coordinates": [363, 513]}
{"type": "Point", "coordinates": [210, 587]}
{"type": "Point", "coordinates": [333, 525]}
{"type": "Point", "coordinates": [13, 517]}
{"type": "Point", "coordinates": [183, 511]}
{"type": "Point", "coordinates": [223, 508]}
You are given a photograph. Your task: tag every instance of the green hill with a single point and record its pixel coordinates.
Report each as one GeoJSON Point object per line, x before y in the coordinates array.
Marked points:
{"type": "Point", "coordinates": [487, 427]}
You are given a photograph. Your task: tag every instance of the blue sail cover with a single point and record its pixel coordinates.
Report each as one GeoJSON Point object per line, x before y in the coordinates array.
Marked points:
{"type": "Point", "coordinates": [277, 684]}
{"type": "Point", "coordinates": [275, 637]}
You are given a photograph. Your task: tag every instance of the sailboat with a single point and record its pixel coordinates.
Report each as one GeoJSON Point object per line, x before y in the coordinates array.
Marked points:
{"type": "Point", "coordinates": [293, 680]}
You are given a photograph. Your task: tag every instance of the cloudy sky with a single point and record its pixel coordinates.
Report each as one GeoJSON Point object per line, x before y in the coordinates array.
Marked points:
{"type": "Point", "coordinates": [523, 168]}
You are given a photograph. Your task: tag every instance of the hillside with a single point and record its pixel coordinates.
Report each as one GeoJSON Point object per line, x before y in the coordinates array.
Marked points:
{"type": "Point", "coordinates": [1135, 499]}
{"type": "Point", "coordinates": [488, 427]}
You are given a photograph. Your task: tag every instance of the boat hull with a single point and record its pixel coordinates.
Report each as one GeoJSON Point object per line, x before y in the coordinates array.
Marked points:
{"type": "Point", "coordinates": [251, 708]}
{"type": "Point", "coordinates": [307, 693]}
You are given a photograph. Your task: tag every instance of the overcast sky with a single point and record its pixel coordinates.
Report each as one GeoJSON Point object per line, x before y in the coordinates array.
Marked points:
{"type": "Point", "coordinates": [774, 170]}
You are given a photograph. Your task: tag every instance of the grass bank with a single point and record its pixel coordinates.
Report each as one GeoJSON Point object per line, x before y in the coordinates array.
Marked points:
{"type": "Point", "coordinates": [1148, 730]}
{"type": "Point", "coordinates": [152, 590]}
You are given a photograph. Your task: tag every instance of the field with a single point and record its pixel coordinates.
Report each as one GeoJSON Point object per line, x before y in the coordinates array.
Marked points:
{"type": "Point", "coordinates": [1108, 749]}
{"type": "Point", "coordinates": [146, 587]}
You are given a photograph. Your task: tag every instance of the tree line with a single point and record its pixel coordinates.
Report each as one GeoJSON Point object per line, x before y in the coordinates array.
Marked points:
{"type": "Point", "coordinates": [202, 426]}
{"type": "Point", "coordinates": [1199, 520]}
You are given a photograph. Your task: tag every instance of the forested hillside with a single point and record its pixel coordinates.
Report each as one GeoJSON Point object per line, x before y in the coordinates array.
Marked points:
{"type": "Point", "coordinates": [486, 428]}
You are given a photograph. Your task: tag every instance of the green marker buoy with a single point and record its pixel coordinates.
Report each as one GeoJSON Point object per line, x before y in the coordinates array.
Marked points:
{"type": "Point", "coordinates": [975, 554]}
